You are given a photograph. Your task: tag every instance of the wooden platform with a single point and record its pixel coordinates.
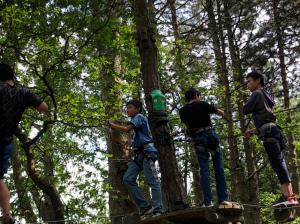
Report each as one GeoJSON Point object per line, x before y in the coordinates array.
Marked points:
{"type": "Point", "coordinates": [199, 215]}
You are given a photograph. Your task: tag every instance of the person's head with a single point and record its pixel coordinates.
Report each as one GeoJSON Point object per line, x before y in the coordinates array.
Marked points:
{"type": "Point", "coordinates": [255, 80]}
{"type": "Point", "coordinates": [133, 107]}
{"type": "Point", "coordinates": [6, 73]}
{"type": "Point", "coordinates": [192, 94]}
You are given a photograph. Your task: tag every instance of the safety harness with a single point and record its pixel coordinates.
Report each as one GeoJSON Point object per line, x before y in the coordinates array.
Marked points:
{"type": "Point", "coordinates": [267, 128]}
{"type": "Point", "coordinates": [141, 150]}
{"type": "Point", "coordinates": [264, 129]}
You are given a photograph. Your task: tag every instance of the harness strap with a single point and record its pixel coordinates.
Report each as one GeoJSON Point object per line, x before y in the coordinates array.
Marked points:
{"type": "Point", "coordinates": [199, 130]}
{"type": "Point", "coordinates": [264, 128]}
{"type": "Point", "coordinates": [271, 140]}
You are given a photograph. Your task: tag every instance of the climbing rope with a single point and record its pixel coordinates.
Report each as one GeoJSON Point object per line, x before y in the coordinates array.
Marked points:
{"type": "Point", "coordinates": [269, 206]}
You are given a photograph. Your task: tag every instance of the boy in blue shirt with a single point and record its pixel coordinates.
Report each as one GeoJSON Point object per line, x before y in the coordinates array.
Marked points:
{"type": "Point", "coordinates": [144, 159]}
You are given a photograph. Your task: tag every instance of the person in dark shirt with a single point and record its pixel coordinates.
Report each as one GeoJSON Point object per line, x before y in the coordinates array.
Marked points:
{"type": "Point", "coordinates": [13, 102]}
{"type": "Point", "coordinates": [145, 157]}
{"type": "Point", "coordinates": [196, 115]}
{"type": "Point", "coordinates": [260, 105]}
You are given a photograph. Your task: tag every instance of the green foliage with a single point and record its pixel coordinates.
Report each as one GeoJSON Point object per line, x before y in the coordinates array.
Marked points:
{"type": "Point", "coordinates": [81, 58]}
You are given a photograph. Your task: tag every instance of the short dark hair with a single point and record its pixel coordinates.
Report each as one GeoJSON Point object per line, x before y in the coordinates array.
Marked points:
{"type": "Point", "coordinates": [191, 94]}
{"type": "Point", "coordinates": [6, 73]}
{"type": "Point", "coordinates": [136, 103]}
{"type": "Point", "coordinates": [255, 75]}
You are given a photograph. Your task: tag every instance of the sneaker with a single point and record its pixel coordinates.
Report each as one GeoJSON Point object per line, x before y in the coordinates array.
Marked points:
{"type": "Point", "coordinates": [282, 200]}
{"type": "Point", "coordinates": [285, 201]}
{"type": "Point", "coordinates": [156, 213]}
{"type": "Point", "coordinates": [205, 205]}
{"type": "Point", "coordinates": [292, 200]}
{"type": "Point", "coordinates": [146, 211]}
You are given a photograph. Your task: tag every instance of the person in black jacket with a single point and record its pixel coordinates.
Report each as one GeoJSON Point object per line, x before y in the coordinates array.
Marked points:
{"type": "Point", "coordinates": [14, 100]}
{"type": "Point", "coordinates": [260, 105]}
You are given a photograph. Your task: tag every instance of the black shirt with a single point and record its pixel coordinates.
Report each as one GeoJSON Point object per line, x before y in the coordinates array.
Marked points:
{"type": "Point", "coordinates": [13, 102]}
{"type": "Point", "coordinates": [197, 115]}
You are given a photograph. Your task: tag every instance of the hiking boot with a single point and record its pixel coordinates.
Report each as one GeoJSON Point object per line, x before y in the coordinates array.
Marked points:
{"type": "Point", "coordinates": [205, 205]}
{"type": "Point", "coordinates": [285, 201]}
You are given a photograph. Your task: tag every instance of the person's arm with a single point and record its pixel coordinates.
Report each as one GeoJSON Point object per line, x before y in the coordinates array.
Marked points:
{"type": "Point", "coordinates": [32, 100]}
{"type": "Point", "coordinates": [248, 133]}
{"type": "Point", "coordinates": [182, 116]}
{"type": "Point", "coordinates": [220, 112]}
{"type": "Point", "coordinates": [43, 107]}
{"type": "Point", "coordinates": [251, 103]}
{"type": "Point", "coordinates": [122, 128]}
{"type": "Point", "coordinates": [213, 110]}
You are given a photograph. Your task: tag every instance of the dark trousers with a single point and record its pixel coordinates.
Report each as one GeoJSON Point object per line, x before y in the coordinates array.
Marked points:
{"type": "Point", "coordinates": [6, 151]}
{"type": "Point", "coordinates": [206, 144]}
{"type": "Point", "coordinates": [274, 145]}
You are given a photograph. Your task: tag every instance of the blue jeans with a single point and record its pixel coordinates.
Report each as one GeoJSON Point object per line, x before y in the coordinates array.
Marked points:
{"type": "Point", "coordinates": [204, 147]}
{"type": "Point", "coordinates": [145, 162]}
{"type": "Point", "coordinates": [274, 145]}
{"type": "Point", "coordinates": [6, 151]}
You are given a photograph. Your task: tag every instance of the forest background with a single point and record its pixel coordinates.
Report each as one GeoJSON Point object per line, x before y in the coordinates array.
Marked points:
{"type": "Point", "coordinates": [87, 58]}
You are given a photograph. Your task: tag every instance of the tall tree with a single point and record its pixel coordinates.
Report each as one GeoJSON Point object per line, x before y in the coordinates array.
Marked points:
{"type": "Point", "coordinates": [237, 71]}
{"type": "Point", "coordinates": [280, 36]}
{"type": "Point", "coordinates": [180, 71]}
{"type": "Point", "coordinates": [22, 184]}
{"type": "Point", "coordinates": [216, 33]}
{"type": "Point", "coordinates": [172, 185]}
{"type": "Point", "coordinates": [122, 209]}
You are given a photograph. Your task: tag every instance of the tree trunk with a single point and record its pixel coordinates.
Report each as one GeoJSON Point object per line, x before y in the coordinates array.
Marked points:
{"type": "Point", "coordinates": [21, 185]}
{"type": "Point", "coordinates": [238, 189]}
{"type": "Point", "coordinates": [122, 209]}
{"type": "Point", "coordinates": [42, 182]}
{"type": "Point", "coordinates": [46, 208]}
{"type": "Point", "coordinates": [179, 70]}
{"type": "Point", "coordinates": [172, 185]}
{"type": "Point", "coordinates": [38, 200]}
{"type": "Point", "coordinates": [196, 184]}
{"type": "Point", "coordinates": [293, 165]}
{"type": "Point", "coordinates": [251, 214]}
{"type": "Point", "coordinates": [179, 66]}
{"type": "Point", "coordinates": [185, 169]}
